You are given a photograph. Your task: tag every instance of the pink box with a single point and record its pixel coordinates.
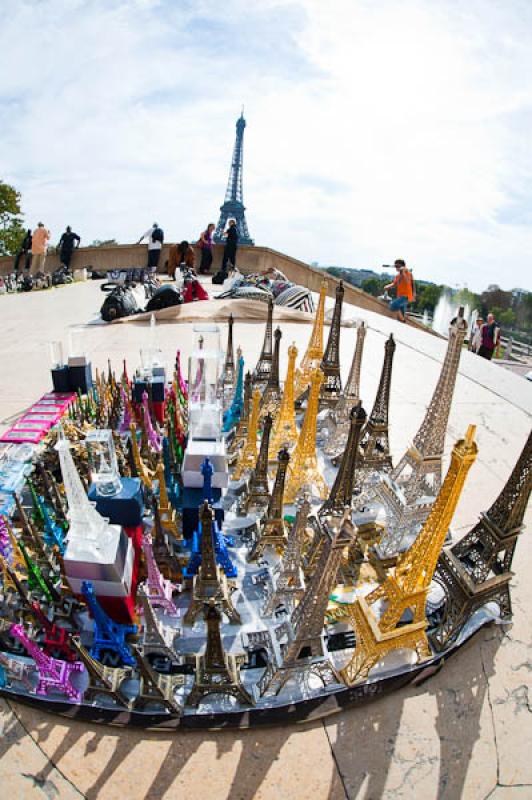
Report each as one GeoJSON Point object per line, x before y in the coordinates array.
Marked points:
{"type": "Point", "coordinates": [23, 436]}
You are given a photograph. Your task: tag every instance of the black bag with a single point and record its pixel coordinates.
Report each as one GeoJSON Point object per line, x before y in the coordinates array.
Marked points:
{"type": "Point", "coordinates": [219, 277]}
{"type": "Point", "coordinates": [164, 297]}
{"type": "Point", "coordinates": [157, 235]}
{"type": "Point", "coordinates": [27, 283]}
{"type": "Point", "coordinates": [120, 302]}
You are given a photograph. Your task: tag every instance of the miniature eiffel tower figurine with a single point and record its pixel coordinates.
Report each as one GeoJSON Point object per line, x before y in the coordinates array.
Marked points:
{"type": "Point", "coordinates": [144, 473]}
{"type": "Point", "coordinates": [232, 415]}
{"type": "Point", "coordinates": [228, 374]}
{"type": "Point", "coordinates": [156, 688]}
{"type": "Point", "coordinates": [477, 570]}
{"type": "Point", "coordinates": [263, 369]}
{"type": "Point", "coordinates": [242, 427]}
{"type": "Point", "coordinates": [406, 589]}
{"type": "Point", "coordinates": [272, 393]}
{"type": "Point", "coordinates": [258, 494]}
{"type": "Point", "coordinates": [314, 354]}
{"type": "Point", "coordinates": [303, 473]}
{"type": "Point", "coordinates": [331, 387]}
{"type": "Point", "coordinates": [288, 581]}
{"type": "Point", "coordinates": [217, 672]}
{"type": "Point", "coordinates": [166, 511]}
{"type": "Point", "coordinates": [156, 639]}
{"type": "Point", "coordinates": [341, 496]}
{"type": "Point", "coordinates": [305, 654]}
{"type": "Point", "coordinates": [103, 681]}
{"type": "Point", "coordinates": [158, 589]}
{"type": "Point", "coordinates": [274, 531]}
{"type": "Point", "coordinates": [284, 433]}
{"type": "Point", "coordinates": [210, 582]}
{"type": "Point", "coordinates": [374, 443]}
{"type": "Point", "coordinates": [248, 455]}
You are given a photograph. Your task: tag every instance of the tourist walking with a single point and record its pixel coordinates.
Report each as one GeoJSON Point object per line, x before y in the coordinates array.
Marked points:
{"type": "Point", "coordinates": [231, 244]}
{"type": "Point", "coordinates": [68, 241]}
{"type": "Point", "coordinates": [490, 335]}
{"type": "Point", "coordinates": [476, 338]}
{"type": "Point", "coordinates": [155, 238]}
{"type": "Point", "coordinates": [39, 244]}
{"type": "Point", "coordinates": [23, 251]}
{"type": "Point", "coordinates": [405, 290]}
{"type": "Point", "coordinates": [205, 245]}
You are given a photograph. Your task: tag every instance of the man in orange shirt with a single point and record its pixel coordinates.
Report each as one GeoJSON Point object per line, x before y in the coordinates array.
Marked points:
{"type": "Point", "coordinates": [405, 289]}
{"type": "Point", "coordinates": [39, 244]}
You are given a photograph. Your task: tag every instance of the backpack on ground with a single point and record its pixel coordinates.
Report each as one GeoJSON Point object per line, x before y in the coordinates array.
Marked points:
{"type": "Point", "coordinates": [120, 302]}
{"type": "Point", "coordinates": [164, 297]}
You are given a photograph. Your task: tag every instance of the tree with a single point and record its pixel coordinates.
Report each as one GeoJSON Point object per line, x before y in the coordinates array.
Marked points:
{"type": "Point", "coordinates": [506, 317]}
{"type": "Point", "coordinates": [427, 296]}
{"type": "Point", "coordinates": [495, 297]}
{"type": "Point", "coordinates": [373, 286]}
{"type": "Point", "coordinates": [11, 227]}
{"type": "Point", "coordinates": [103, 242]}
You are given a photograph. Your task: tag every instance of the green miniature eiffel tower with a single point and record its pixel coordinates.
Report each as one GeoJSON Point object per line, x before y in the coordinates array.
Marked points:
{"type": "Point", "coordinates": [37, 514]}
{"type": "Point", "coordinates": [36, 581]}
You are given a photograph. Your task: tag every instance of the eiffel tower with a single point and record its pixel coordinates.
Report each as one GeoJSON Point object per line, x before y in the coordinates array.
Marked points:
{"type": "Point", "coordinates": [311, 361]}
{"type": "Point", "coordinates": [262, 371]}
{"type": "Point", "coordinates": [341, 495]}
{"type": "Point", "coordinates": [274, 530]}
{"type": "Point", "coordinates": [304, 654]}
{"type": "Point", "coordinates": [289, 582]}
{"type": "Point", "coordinates": [258, 494]}
{"type": "Point", "coordinates": [284, 431]}
{"type": "Point", "coordinates": [331, 387]}
{"type": "Point", "coordinates": [477, 569]}
{"type": "Point", "coordinates": [272, 393]}
{"type": "Point", "coordinates": [337, 421]}
{"type": "Point", "coordinates": [233, 207]}
{"type": "Point", "coordinates": [103, 681]}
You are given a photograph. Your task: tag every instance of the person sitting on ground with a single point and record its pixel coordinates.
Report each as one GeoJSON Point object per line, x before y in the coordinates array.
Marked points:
{"type": "Point", "coordinates": [273, 274]}
{"type": "Point", "coordinates": [24, 250]}
{"type": "Point", "coordinates": [405, 289]}
{"type": "Point", "coordinates": [68, 241]}
{"type": "Point", "coordinates": [180, 256]}
{"type": "Point", "coordinates": [39, 245]}
{"type": "Point", "coordinates": [490, 335]}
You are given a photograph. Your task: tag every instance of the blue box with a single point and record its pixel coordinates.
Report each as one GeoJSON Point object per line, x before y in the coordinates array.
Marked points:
{"type": "Point", "coordinates": [125, 508]}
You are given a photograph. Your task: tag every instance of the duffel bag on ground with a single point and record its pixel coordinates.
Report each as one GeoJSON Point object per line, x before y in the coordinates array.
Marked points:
{"type": "Point", "coordinates": [164, 297]}
{"type": "Point", "coordinates": [120, 302]}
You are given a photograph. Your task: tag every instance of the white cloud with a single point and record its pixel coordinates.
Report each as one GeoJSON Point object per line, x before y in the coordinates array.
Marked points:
{"type": "Point", "coordinates": [375, 129]}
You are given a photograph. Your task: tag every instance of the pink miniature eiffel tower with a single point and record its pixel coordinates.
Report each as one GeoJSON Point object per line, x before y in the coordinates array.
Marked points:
{"type": "Point", "coordinates": [158, 589]}
{"type": "Point", "coordinates": [183, 391]}
{"type": "Point", "coordinates": [53, 674]}
{"type": "Point", "coordinates": [153, 437]}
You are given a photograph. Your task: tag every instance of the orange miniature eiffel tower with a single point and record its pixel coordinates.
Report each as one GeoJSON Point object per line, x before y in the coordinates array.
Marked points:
{"type": "Point", "coordinates": [248, 455]}
{"type": "Point", "coordinates": [303, 472]}
{"type": "Point", "coordinates": [284, 433]}
{"type": "Point", "coordinates": [314, 354]}
{"type": "Point", "coordinates": [405, 590]}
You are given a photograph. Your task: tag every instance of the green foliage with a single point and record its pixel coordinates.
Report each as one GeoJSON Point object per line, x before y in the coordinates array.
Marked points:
{"type": "Point", "coordinates": [11, 227]}
{"type": "Point", "coordinates": [466, 298]}
{"type": "Point", "coordinates": [495, 297]}
{"type": "Point", "coordinates": [103, 242]}
{"type": "Point", "coordinates": [373, 286]}
{"type": "Point", "coordinates": [427, 296]}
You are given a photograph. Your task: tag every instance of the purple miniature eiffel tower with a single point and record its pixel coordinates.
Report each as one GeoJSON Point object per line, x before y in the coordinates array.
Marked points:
{"type": "Point", "coordinates": [6, 548]}
{"type": "Point", "coordinates": [53, 674]}
{"type": "Point", "coordinates": [183, 391]}
{"type": "Point", "coordinates": [158, 589]}
{"type": "Point", "coordinates": [153, 437]}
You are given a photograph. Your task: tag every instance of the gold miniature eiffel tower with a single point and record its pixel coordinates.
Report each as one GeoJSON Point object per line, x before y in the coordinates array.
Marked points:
{"type": "Point", "coordinates": [103, 681]}
{"type": "Point", "coordinates": [284, 433]}
{"type": "Point", "coordinates": [17, 564]}
{"type": "Point", "coordinates": [166, 511]}
{"type": "Point", "coordinates": [248, 455]}
{"type": "Point", "coordinates": [242, 428]}
{"type": "Point", "coordinates": [217, 672]}
{"type": "Point", "coordinates": [274, 531]}
{"type": "Point", "coordinates": [155, 687]}
{"type": "Point", "coordinates": [303, 471]}
{"type": "Point", "coordinates": [314, 354]}
{"type": "Point", "coordinates": [258, 495]}
{"type": "Point", "coordinates": [156, 639]}
{"type": "Point", "coordinates": [7, 580]}
{"type": "Point", "coordinates": [272, 392]}
{"type": "Point", "coordinates": [289, 582]}
{"type": "Point", "coordinates": [144, 473]}
{"type": "Point", "coordinates": [210, 582]}
{"type": "Point", "coordinates": [405, 590]}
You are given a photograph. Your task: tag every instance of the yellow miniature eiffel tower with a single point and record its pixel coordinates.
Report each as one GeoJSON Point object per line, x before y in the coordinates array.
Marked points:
{"type": "Point", "coordinates": [406, 589]}
{"type": "Point", "coordinates": [7, 580]}
{"type": "Point", "coordinates": [312, 358]}
{"type": "Point", "coordinates": [18, 564]}
{"type": "Point", "coordinates": [166, 512]}
{"type": "Point", "coordinates": [284, 433]}
{"type": "Point", "coordinates": [248, 455]}
{"type": "Point", "coordinates": [303, 468]}
{"type": "Point", "coordinates": [145, 474]}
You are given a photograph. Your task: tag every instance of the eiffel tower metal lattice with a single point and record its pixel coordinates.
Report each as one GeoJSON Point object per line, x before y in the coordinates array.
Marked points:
{"type": "Point", "coordinates": [258, 494]}
{"type": "Point", "coordinates": [305, 654]}
{"type": "Point", "coordinates": [242, 427]}
{"type": "Point", "coordinates": [405, 590]}
{"type": "Point", "coordinates": [262, 371]}
{"type": "Point", "coordinates": [477, 569]}
{"type": "Point", "coordinates": [272, 393]}
{"type": "Point", "coordinates": [289, 583]}
{"type": "Point", "coordinates": [248, 454]}
{"type": "Point", "coordinates": [274, 530]}
{"type": "Point", "coordinates": [341, 494]}
{"type": "Point", "coordinates": [331, 387]}
{"type": "Point", "coordinates": [217, 672]}
{"type": "Point", "coordinates": [233, 207]}
{"type": "Point", "coordinates": [228, 374]}
{"type": "Point", "coordinates": [314, 353]}
{"type": "Point", "coordinates": [284, 432]}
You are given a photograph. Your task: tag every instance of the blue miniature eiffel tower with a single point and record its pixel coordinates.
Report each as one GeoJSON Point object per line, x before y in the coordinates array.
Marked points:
{"type": "Point", "coordinates": [232, 415]}
{"type": "Point", "coordinates": [54, 534]}
{"type": "Point", "coordinates": [108, 635]}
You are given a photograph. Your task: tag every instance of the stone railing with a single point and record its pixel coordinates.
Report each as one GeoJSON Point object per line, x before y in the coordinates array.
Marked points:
{"type": "Point", "coordinates": [249, 259]}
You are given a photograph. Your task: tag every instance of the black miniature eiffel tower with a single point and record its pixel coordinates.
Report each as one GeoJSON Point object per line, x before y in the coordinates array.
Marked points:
{"type": "Point", "coordinates": [228, 374]}
{"type": "Point", "coordinates": [264, 364]}
{"type": "Point", "coordinates": [331, 388]}
{"type": "Point", "coordinates": [210, 582]}
{"type": "Point", "coordinates": [217, 672]}
{"type": "Point", "coordinates": [305, 654]}
{"type": "Point", "coordinates": [374, 442]}
{"type": "Point", "coordinates": [341, 496]}
{"type": "Point", "coordinates": [477, 569]}
{"type": "Point", "coordinates": [271, 398]}
{"type": "Point", "coordinates": [258, 495]}
{"type": "Point", "coordinates": [274, 530]}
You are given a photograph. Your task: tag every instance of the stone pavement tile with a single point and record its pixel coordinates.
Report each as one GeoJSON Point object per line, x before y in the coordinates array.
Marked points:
{"type": "Point", "coordinates": [107, 764]}
{"type": "Point", "coordinates": [511, 793]}
{"type": "Point", "coordinates": [23, 764]}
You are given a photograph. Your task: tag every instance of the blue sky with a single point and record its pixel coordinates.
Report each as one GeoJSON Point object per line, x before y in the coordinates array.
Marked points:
{"type": "Point", "coordinates": [376, 129]}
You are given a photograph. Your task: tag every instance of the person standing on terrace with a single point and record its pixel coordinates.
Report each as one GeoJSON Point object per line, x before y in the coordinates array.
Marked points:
{"type": "Point", "coordinates": [39, 246]}
{"type": "Point", "coordinates": [405, 290]}
{"type": "Point", "coordinates": [205, 245]}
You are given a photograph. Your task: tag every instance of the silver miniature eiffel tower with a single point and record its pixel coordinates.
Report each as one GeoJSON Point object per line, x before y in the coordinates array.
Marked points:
{"type": "Point", "coordinates": [289, 582]}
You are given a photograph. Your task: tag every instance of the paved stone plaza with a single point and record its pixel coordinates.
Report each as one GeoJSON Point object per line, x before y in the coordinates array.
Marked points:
{"type": "Point", "coordinates": [466, 732]}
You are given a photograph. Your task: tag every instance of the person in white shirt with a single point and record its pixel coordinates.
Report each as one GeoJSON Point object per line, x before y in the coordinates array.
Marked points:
{"type": "Point", "coordinates": [155, 237]}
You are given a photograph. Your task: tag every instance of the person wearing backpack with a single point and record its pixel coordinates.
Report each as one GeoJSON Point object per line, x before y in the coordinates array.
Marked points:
{"type": "Point", "coordinates": [155, 237]}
